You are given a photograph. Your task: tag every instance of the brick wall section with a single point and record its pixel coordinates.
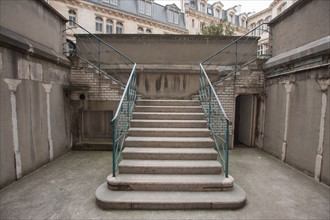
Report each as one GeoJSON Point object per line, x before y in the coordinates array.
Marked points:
{"type": "Point", "coordinates": [99, 87]}
{"type": "Point", "coordinates": [249, 80]}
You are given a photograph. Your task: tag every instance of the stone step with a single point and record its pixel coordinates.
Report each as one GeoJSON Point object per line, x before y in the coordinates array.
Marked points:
{"type": "Point", "coordinates": [169, 132]}
{"type": "Point", "coordinates": [169, 167]}
{"type": "Point", "coordinates": [170, 102]}
{"type": "Point", "coordinates": [162, 200]}
{"type": "Point", "coordinates": [167, 182]}
{"type": "Point", "coordinates": [169, 115]}
{"type": "Point", "coordinates": [168, 123]}
{"type": "Point", "coordinates": [189, 142]}
{"type": "Point", "coordinates": [140, 108]}
{"type": "Point", "coordinates": [139, 153]}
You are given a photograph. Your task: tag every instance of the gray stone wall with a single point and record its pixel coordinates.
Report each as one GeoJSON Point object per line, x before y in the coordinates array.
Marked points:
{"type": "Point", "coordinates": [306, 22]}
{"type": "Point", "coordinates": [35, 146]}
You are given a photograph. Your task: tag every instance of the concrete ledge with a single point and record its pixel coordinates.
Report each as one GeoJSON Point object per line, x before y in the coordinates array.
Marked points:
{"type": "Point", "coordinates": [314, 48]}
{"type": "Point", "coordinates": [14, 40]}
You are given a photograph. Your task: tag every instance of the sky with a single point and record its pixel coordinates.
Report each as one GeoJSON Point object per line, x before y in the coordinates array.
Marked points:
{"type": "Point", "coordinates": [247, 5]}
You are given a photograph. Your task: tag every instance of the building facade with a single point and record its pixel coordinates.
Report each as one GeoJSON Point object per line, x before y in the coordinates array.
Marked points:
{"type": "Point", "coordinates": [122, 16]}
{"type": "Point", "coordinates": [199, 14]}
{"type": "Point", "coordinates": [148, 17]}
{"type": "Point", "coordinates": [265, 16]}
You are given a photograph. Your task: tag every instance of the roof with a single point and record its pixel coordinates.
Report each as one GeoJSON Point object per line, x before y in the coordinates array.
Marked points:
{"type": "Point", "coordinates": [158, 11]}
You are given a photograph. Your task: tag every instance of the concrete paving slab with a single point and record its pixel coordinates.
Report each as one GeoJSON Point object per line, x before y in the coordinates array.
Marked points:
{"type": "Point", "coordinates": [65, 189]}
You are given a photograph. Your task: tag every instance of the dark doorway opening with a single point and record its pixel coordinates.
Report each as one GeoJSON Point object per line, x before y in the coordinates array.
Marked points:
{"type": "Point", "coordinates": [245, 120]}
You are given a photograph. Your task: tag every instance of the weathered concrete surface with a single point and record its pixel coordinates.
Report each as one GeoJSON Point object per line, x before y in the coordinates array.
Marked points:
{"type": "Point", "coordinates": [307, 21]}
{"type": "Point", "coordinates": [64, 189]}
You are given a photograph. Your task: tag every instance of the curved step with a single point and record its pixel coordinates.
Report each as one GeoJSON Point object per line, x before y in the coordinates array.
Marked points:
{"type": "Point", "coordinates": [165, 200]}
{"type": "Point", "coordinates": [167, 182]}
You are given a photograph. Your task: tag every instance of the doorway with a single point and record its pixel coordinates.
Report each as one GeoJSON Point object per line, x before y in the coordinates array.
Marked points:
{"type": "Point", "coordinates": [245, 120]}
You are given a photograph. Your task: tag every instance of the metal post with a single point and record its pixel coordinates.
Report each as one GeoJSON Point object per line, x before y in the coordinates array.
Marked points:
{"type": "Point", "coordinates": [210, 104]}
{"type": "Point", "coordinates": [227, 148]}
{"type": "Point", "coordinates": [114, 147]}
{"type": "Point", "coordinates": [236, 59]}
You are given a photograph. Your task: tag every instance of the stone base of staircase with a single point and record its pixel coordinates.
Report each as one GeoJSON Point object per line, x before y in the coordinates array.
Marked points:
{"type": "Point", "coordinates": [160, 200]}
{"type": "Point", "coordinates": [93, 145]}
{"type": "Point", "coordinates": [169, 161]}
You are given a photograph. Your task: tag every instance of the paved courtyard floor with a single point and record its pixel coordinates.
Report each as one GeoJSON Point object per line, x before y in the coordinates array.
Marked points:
{"type": "Point", "coordinates": [64, 189]}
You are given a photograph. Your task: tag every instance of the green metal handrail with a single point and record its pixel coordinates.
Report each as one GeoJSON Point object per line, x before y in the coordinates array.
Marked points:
{"type": "Point", "coordinates": [121, 120]}
{"type": "Point", "coordinates": [217, 119]}
{"type": "Point", "coordinates": [106, 59]}
{"type": "Point", "coordinates": [96, 53]}
{"type": "Point", "coordinates": [242, 54]}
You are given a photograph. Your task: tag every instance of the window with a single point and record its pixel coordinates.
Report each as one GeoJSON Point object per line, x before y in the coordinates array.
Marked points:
{"type": "Point", "coordinates": [243, 23]}
{"type": "Point", "coordinates": [176, 18]}
{"type": "Point", "coordinates": [140, 30]}
{"type": "Point", "coordinates": [281, 8]}
{"type": "Point", "coordinates": [202, 25]}
{"type": "Point", "coordinates": [141, 6]}
{"type": "Point", "coordinates": [145, 7]}
{"type": "Point", "coordinates": [260, 28]}
{"type": "Point", "coordinates": [260, 50]}
{"type": "Point", "coordinates": [202, 7]}
{"type": "Point", "coordinates": [170, 15]}
{"type": "Point", "coordinates": [72, 17]}
{"type": "Point", "coordinates": [253, 26]}
{"type": "Point", "coordinates": [193, 23]}
{"type": "Point", "coordinates": [217, 13]}
{"type": "Point", "coordinates": [265, 49]}
{"type": "Point", "coordinates": [113, 2]}
{"type": "Point", "coordinates": [119, 28]}
{"type": "Point", "coordinates": [148, 31]}
{"type": "Point", "coordinates": [98, 24]}
{"type": "Point", "coordinates": [231, 18]}
{"type": "Point", "coordinates": [267, 21]}
{"type": "Point", "coordinates": [148, 8]}
{"type": "Point", "coordinates": [109, 27]}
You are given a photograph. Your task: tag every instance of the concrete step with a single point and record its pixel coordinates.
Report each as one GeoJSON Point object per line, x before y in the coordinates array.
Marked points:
{"type": "Point", "coordinates": [169, 167]}
{"type": "Point", "coordinates": [140, 108]}
{"type": "Point", "coordinates": [139, 153]}
{"type": "Point", "coordinates": [180, 142]}
{"type": "Point", "coordinates": [168, 123]}
{"type": "Point", "coordinates": [169, 115]}
{"type": "Point", "coordinates": [169, 132]}
{"type": "Point", "coordinates": [170, 102]}
{"type": "Point", "coordinates": [157, 200]}
{"type": "Point", "coordinates": [167, 182]}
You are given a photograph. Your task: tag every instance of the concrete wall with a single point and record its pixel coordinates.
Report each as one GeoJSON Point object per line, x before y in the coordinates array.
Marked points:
{"type": "Point", "coordinates": [172, 49]}
{"type": "Point", "coordinates": [35, 21]}
{"type": "Point", "coordinates": [35, 122]}
{"type": "Point", "coordinates": [297, 89]}
{"type": "Point", "coordinates": [288, 29]}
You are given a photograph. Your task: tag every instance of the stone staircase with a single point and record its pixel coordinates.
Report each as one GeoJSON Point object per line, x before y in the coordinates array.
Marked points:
{"type": "Point", "coordinates": [169, 162]}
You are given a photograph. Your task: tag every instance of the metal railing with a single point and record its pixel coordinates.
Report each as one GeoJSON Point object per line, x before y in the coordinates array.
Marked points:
{"type": "Point", "coordinates": [121, 120]}
{"type": "Point", "coordinates": [217, 119]}
{"type": "Point", "coordinates": [226, 63]}
{"type": "Point", "coordinates": [237, 55]}
{"type": "Point", "coordinates": [98, 54]}
{"type": "Point", "coordinates": [112, 64]}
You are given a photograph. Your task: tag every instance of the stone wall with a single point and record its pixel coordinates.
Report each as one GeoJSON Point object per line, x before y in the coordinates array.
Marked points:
{"type": "Point", "coordinates": [34, 119]}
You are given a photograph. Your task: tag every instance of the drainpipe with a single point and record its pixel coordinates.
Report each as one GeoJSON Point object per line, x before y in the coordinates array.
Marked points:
{"type": "Point", "coordinates": [12, 85]}
{"type": "Point", "coordinates": [319, 157]}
